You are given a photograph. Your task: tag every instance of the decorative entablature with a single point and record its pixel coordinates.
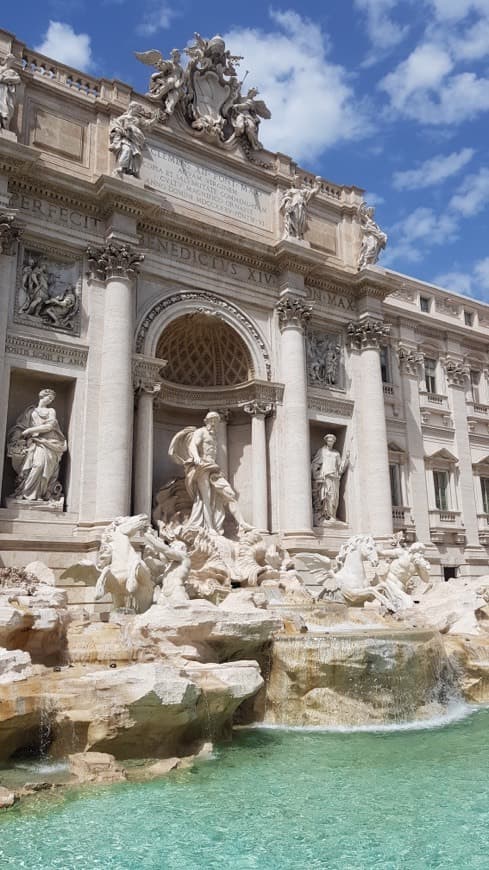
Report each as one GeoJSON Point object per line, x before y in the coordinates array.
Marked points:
{"type": "Point", "coordinates": [264, 393]}
{"type": "Point", "coordinates": [49, 351]}
{"type": "Point", "coordinates": [441, 303]}
{"type": "Point", "coordinates": [330, 406]}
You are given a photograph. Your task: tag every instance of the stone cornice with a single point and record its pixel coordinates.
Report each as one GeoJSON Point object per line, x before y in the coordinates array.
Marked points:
{"type": "Point", "coordinates": [52, 351]}
{"type": "Point", "coordinates": [147, 373]}
{"type": "Point", "coordinates": [217, 398]}
{"type": "Point", "coordinates": [330, 405]}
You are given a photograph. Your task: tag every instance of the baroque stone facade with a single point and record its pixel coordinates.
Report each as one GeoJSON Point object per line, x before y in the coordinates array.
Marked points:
{"type": "Point", "coordinates": [169, 266]}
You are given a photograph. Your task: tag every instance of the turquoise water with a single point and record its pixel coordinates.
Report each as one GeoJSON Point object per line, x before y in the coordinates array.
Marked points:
{"type": "Point", "coordinates": [278, 800]}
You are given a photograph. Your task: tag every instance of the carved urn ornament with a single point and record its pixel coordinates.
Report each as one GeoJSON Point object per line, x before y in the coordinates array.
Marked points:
{"type": "Point", "coordinates": [207, 93]}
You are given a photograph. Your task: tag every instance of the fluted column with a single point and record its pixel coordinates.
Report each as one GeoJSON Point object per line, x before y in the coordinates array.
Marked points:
{"type": "Point", "coordinates": [366, 337]}
{"type": "Point", "coordinates": [410, 362]}
{"type": "Point", "coordinates": [457, 374]}
{"type": "Point", "coordinates": [296, 511]}
{"type": "Point", "coordinates": [115, 265]}
{"type": "Point", "coordinates": [258, 412]}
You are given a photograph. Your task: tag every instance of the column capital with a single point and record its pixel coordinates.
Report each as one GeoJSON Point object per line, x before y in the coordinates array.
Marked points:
{"type": "Point", "coordinates": [410, 361]}
{"type": "Point", "coordinates": [10, 233]}
{"type": "Point", "coordinates": [147, 375]}
{"type": "Point", "coordinates": [457, 372]}
{"type": "Point", "coordinates": [113, 260]}
{"type": "Point", "coordinates": [368, 333]}
{"type": "Point", "coordinates": [258, 409]}
{"type": "Point", "coordinates": [293, 311]}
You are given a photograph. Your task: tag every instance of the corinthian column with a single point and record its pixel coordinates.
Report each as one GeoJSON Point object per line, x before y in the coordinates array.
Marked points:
{"type": "Point", "coordinates": [293, 315]}
{"type": "Point", "coordinates": [258, 412]}
{"type": "Point", "coordinates": [410, 364]}
{"type": "Point", "coordinates": [10, 233]}
{"type": "Point", "coordinates": [366, 337]}
{"type": "Point", "coordinates": [146, 393]}
{"type": "Point", "coordinates": [115, 265]}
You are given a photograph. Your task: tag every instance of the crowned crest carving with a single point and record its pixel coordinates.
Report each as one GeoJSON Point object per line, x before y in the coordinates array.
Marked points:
{"type": "Point", "coordinates": [207, 94]}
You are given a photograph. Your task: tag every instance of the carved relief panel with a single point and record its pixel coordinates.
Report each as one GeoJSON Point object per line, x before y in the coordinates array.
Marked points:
{"type": "Point", "coordinates": [324, 359]}
{"type": "Point", "coordinates": [48, 292]}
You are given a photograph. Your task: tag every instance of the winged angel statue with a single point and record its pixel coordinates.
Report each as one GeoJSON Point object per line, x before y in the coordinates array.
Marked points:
{"type": "Point", "coordinates": [207, 91]}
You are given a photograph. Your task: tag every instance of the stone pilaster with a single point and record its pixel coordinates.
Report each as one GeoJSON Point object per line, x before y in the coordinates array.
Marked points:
{"type": "Point", "coordinates": [411, 368]}
{"type": "Point", "coordinates": [296, 514]}
{"type": "Point", "coordinates": [366, 337]}
{"type": "Point", "coordinates": [10, 233]}
{"type": "Point", "coordinates": [457, 374]}
{"type": "Point", "coordinates": [258, 412]}
{"type": "Point", "coordinates": [115, 265]}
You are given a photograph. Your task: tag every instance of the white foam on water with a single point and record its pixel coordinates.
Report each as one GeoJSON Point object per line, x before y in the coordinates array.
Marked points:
{"type": "Point", "coordinates": [43, 766]}
{"type": "Point", "coordinates": [455, 712]}
{"type": "Point", "coordinates": [341, 627]}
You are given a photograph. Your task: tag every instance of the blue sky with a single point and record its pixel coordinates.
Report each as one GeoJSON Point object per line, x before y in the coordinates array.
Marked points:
{"type": "Point", "coordinates": [390, 95]}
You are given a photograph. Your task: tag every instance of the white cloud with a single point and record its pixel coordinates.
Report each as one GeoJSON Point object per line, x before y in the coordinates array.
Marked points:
{"type": "Point", "coordinates": [311, 99]}
{"type": "Point", "coordinates": [384, 33]}
{"type": "Point", "coordinates": [473, 194]}
{"type": "Point", "coordinates": [158, 16]}
{"type": "Point", "coordinates": [456, 10]}
{"type": "Point", "coordinates": [432, 171]}
{"type": "Point", "coordinates": [423, 71]}
{"type": "Point", "coordinates": [419, 231]}
{"type": "Point", "coordinates": [472, 283]}
{"type": "Point", "coordinates": [374, 199]}
{"type": "Point", "coordinates": [63, 44]}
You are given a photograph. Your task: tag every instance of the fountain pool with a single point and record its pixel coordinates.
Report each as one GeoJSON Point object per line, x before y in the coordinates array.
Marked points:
{"type": "Point", "coordinates": [294, 800]}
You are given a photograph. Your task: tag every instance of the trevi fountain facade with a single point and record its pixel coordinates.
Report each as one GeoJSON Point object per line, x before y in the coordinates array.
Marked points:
{"type": "Point", "coordinates": [246, 468]}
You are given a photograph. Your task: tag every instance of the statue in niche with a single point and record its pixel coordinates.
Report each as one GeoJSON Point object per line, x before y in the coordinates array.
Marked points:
{"type": "Point", "coordinates": [246, 114]}
{"type": "Point", "coordinates": [35, 447]}
{"type": "Point", "coordinates": [167, 84]}
{"type": "Point", "coordinates": [327, 468]}
{"type": "Point", "coordinates": [48, 295]}
{"type": "Point", "coordinates": [324, 355]}
{"type": "Point", "coordinates": [127, 138]}
{"type": "Point", "coordinates": [9, 80]}
{"type": "Point", "coordinates": [294, 204]}
{"type": "Point", "coordinates": [210, 492]}
{"type": "Point", "coordinates": [374, 239]}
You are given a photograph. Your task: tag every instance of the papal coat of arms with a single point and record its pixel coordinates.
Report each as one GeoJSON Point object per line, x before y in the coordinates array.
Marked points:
{"type": "Point", "coordinates": [207, 93]}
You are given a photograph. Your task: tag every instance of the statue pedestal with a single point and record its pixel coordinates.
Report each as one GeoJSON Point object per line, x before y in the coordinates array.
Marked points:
{"type": "Point", "coordinates": [38, 504]}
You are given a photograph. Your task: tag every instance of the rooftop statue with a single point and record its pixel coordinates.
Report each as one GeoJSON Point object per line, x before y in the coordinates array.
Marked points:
{"type": "Point", "coordinates": [207, 93]}
{"type": "Point", "coordinates": [126, 136]}
{"type": "Point", "coordinates": [9, 80]}
{"type": "Point", "coordinates": [374, 239]}
{"type": "Point", "coordinates": [294, 206]}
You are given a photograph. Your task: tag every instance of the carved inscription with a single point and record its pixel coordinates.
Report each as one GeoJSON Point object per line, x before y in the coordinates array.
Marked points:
{"type": "Point", "coordinates": [56, 214]}
{"type": "Point", "coordinates": [332, 300]}
{"type": "Point", "coordinates": [204, 187]}
{"type": "Point", "coordinates": [204, 260]}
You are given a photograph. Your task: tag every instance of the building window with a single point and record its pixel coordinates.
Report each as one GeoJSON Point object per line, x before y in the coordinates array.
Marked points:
{"type": "Point", "coordinates": [430, 374]}
{"type": "Point", "coordinates": [440, 479]}
{"type": "Point", "coordinates": [450, 572]}
{"type": "Point", "coordinates": [475, 379]}
{"type": "Point", "coordinates": [485, 494]}
{"type": "Point", "coordinates": [396, 489]}
{"type": "Point", "coordinates": [425, 303]}
{"type": "Point", "coordinates": [469, 318]}
{"type": "Point", "coordinates": [384, 365]}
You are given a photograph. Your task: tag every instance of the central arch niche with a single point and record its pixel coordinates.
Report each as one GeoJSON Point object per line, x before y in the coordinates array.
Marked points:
{"type": "Point", "coordinates": [203, 351]}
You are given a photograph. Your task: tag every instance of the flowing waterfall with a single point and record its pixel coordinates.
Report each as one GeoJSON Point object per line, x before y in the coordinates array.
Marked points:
{"type": "Point", "coordinates": [359, 678]}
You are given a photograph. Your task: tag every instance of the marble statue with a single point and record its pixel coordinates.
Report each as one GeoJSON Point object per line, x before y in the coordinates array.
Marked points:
{"type": "Point", "coordinates": [206, 94]}
{"type": "Point", "coordinates": [60, 311]}
{"type": "Point", "coordinates": [119, 569]}
{"type": "Point", "coordinates": [346, 581]}
{"type": "Point", "coordinates": [170, 564]}
{"type": "Point", "coordinates": [35, 447]}
{"type": "Point", "coordinates": [167, 84]}
{"type": "Point", "coordinates": [374, 239]}
{"type": "Point", "coordinates": [294, 204]}
{"type": "Point", "coordinates": [406, 566]}
{"type": "Point", "coordinates": [35, 284]}
{"type": "Point", "coordinates": [127, 138]}
{"type": "Point", "coordinates": [327, 468]}
{"type": "Point", "coordinates": [245, 115]}
{"type": "Point", "coordinates": [9, 80]}
{"type": "Point", "coordinates": [211, 494]}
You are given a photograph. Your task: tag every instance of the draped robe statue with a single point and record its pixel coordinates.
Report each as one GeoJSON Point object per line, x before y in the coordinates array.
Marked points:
{"type": "Point", "coordinates": [35, 446]}
{"type": "Point", "coordinates": [210, 492]}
